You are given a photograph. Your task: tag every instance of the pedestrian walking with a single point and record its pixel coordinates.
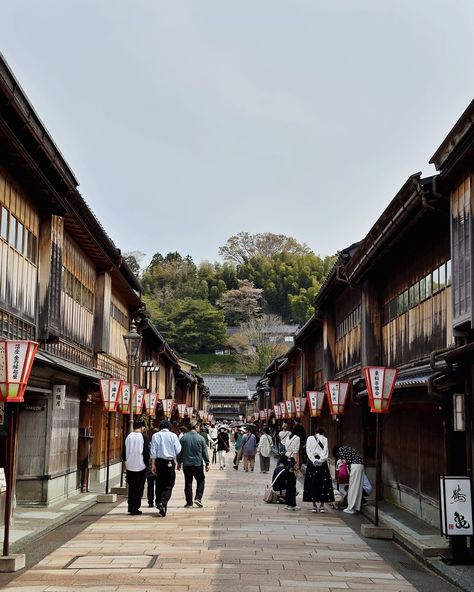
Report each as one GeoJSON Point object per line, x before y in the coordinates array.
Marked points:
{"type": "Point", "coordinates": [318, 487]}
{"type": "Point", "coordinates": [249, 449]}
{"type": "Point", "coordinates": [264, 449]}
{"type": "Point", "coordinates": [355, 464]}
{"type": "Point", "coordinates": [238, 448]}
{"type": "Point", "coordinates": [151, 479]}
{"type": "Point", "coordinates": [292, 456]}
{"type": "Point", "coordinates": [194, 454]}
{"type": "Point", "coordinates": [222, 446]}
{"type": "Point", "coordinates": [136, 462]}
{"type": "Point", "coordinates": [165, 446]}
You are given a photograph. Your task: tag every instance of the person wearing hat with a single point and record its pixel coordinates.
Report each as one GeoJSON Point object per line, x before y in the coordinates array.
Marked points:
{"type": "Point", "coordinates": [194, 453]}
{"type": "Point", "coordinates": [136, 461]}
{"type": "Point", "coordinates": [165, 446]}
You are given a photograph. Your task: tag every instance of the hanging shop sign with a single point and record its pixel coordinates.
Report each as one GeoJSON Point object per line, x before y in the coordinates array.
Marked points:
{"type": "Point", "coordinates": [300, 405]}
{"type": "Point", "coordinates": [168, 405]}
{"type": "Point", "coordinates": [283, 409]}
{"type": "Point", "coordinates": [110, 390]}
{"type": "Point", "coordinates": [181, 410]}
{"type": "Point", "coordinates": [138, 400]}
{"type": "Point", "coordinates": [59, 396]}
{"type": "Point", "coordinates": [125, 398]}
{"type": "Point", "coordinates": [151, 400]}
{"type": "Point", "coordinates": [290, 408]}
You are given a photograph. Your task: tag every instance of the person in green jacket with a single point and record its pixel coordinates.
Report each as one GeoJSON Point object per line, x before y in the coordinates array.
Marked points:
{"type": "Point", "coordinates": [194, 454]}
{"type": "Point", "coordinates": [238, 449]}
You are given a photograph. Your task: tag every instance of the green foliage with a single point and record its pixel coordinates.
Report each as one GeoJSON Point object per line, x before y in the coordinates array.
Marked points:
{"type": "Point", "coordinates": [213, 363]}
{"type": "Point", "coordinates": [262, 273]}
{"type": "Point", "coordinates": [190, 325]}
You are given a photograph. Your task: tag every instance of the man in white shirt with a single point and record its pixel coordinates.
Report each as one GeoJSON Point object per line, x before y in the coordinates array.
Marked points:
{"type": "Point", "coordinates": [165, 447]}
{"type": "Point", "coordinates": [136, 460]}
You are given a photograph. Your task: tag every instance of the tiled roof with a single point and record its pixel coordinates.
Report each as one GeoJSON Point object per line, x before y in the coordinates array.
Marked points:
{"type": "Point", "coordinates": [227, 385]}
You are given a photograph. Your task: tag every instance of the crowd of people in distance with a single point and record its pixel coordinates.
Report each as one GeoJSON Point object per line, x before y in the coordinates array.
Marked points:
{"type": "Point", "coordinates": [193, 449]}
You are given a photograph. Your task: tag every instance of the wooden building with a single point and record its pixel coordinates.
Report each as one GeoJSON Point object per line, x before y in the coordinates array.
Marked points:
{"type": "Point", "coordinates": [387, 301]}
{"type": "Point", "coordinates": [63, 283]}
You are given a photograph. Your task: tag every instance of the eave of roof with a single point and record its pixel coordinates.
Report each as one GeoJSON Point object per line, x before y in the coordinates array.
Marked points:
{"type": "Point", "coordinates": [390, 223]}
{"type": "Point", "coordinates": [450, 143]}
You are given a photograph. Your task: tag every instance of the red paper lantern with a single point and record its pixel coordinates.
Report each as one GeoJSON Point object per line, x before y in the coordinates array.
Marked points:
{"type": "Point", "coordinates": [300, 405]}
{"type": "Point", "coordinates": [16, 361]}
{"type": "Point", "coordinates": [181, 410]}
{"type": "Point", "coordinates": [138, 400]}
{"type": "Point", "coordinates": [315, 402]}
{"type": "Point", "coordinates": [168, 405]}
{"type": "Point", "coordinates": [110, 390]}
{"type": "Point", "coordinates": [277, 411]}
{"type": "Point", "coordinates": [283, 409]}
{"type": "Point", "coordinates": [125, 397]}
{"type": "Point", "coordinates": [380, 383]}
{"type": "Point", "coordinates": [151, 400]}
{"type": "Point", "coordinates": [337, 395]}
{"type": "Point", "coordinates": [290, 408]}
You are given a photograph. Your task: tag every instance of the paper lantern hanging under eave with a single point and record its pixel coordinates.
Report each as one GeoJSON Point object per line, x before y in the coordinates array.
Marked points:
{"type": "Point", "coordinates": [300, 405]}
{"type": "Point", "coordinates": [138, 400]}
{"type": "Point", "coordinates": [168, 405]}
{"type": "Point", "coordinates": [283, 409]}
{"type": "Point", "coordinates": [380, 383]}
{"type": "Point", "coordinates": [337, 394]}
{"type": "Point", "coordinates": [277, 411]}
{"type": "Point", "coordinates": [124, 400]}
{"type": "Point", "coordinates": [110, 389]}
{"type": "Point", "coordinates": [189, 411]}
{"type": "Point", "coordinates": [16, 361]}
{"type": "Point", "coordinates": [181, 410]}
{"type": "Point", "coordinates": [315, 402]}
{"type": "Point", "coordinates": [151, 400]}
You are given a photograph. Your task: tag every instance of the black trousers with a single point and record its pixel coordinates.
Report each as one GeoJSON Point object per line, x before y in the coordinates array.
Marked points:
{"type": "Point", "coordinates": [165, 480]}
{"type": "Point", "coordinates": [150, 490]}
{"type": "Point", "coordinates": [291, 489]}
{"type": "Point", "coordinates": [136, 484]}
{"type": "Point", "coordinates": [198, 474]}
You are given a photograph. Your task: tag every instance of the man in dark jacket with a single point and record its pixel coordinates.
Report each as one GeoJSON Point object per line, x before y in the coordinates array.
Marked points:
{"type": "Point", "coordinates": [194, 453]}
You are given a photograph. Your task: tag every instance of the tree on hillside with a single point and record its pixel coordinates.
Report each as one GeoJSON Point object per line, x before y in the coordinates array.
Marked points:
{"type": "Point", "coordinates": [243, 246]}
{"type": "Point", "coordinates": [241, 305]}
{"type": "Point", "coordinates": [190, 325]}
{"type": "Point", "coordinates": [134, 260]}
{"type": "Point", "coordinates": [172, 277]}
{"type": "Point", "coordinates": [258, 342]}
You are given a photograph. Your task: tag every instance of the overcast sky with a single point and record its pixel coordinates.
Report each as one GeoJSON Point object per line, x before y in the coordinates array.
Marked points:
{"type": "Point", "coordinates": [187, 121]}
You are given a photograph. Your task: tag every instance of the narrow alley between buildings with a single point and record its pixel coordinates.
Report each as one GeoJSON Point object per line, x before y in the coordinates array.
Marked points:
{"type": "Point", "coordinates": [235, 543]}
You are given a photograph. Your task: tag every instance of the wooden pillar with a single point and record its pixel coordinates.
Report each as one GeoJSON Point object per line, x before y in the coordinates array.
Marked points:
{"type": "Point", "coordinates": [370, 325]}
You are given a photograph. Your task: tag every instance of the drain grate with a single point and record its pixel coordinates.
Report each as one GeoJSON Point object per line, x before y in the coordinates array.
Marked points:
{"type": "Point", "coordinates": [111, 562]}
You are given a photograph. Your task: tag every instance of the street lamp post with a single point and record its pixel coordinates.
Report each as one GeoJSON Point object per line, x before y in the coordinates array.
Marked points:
{"type": "Point", "coordinates": [132, 340]}
{"type": "Point", "coordinates": [16, 361]}
{"type": "Point", "coordinates": [380, 383]}
{"type": "Point", "coordinates": [110, 389]}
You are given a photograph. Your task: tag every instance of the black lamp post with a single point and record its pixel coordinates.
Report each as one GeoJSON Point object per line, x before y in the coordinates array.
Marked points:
{"type": "Point", "coordinates": [132, 340]}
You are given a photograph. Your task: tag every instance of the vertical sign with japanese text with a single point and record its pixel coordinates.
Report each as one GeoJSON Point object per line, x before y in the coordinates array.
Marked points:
{"type": "Point", "coordinates": [456, 506]}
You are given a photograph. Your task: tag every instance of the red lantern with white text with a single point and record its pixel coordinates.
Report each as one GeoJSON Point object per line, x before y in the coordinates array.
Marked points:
{"type": "Point", "coordinates": [315, 402]}
{"type": "Point", "coordinates": [138, 400]}
{"type": "Point", "coordinates": [380, 383]}
{"type": "Point", "coordinates": [16, 361]}
{"type": "Point", "coordinates": [110, 390]}
{"type": "Point", "coordinates": [300, 405]}
{"type": "Point", "coordinates": [337, 395]}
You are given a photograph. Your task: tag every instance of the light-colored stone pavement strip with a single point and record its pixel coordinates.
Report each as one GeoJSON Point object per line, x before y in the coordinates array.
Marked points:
{"type": "Point", "coordinates": [235, 543]}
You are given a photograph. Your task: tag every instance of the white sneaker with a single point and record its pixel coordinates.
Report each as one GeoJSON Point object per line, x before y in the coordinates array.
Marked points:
{"type": "Point", "coordinates": [296, 508]}
{"type": "Point", "coordinates": [348, 511]}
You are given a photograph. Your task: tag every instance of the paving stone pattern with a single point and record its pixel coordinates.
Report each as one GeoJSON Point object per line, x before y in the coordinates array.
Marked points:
{"type": "Point", "coordinates": [235, 543]}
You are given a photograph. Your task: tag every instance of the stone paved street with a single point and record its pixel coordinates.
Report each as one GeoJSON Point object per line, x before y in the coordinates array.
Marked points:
{"type": "Point", "coordinates": [235, 543]}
